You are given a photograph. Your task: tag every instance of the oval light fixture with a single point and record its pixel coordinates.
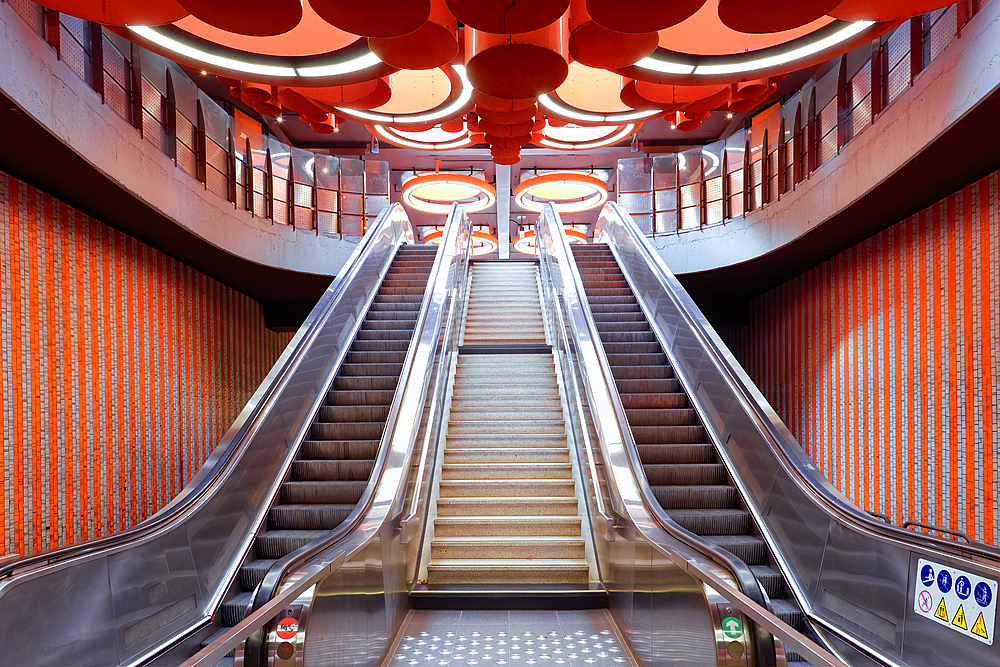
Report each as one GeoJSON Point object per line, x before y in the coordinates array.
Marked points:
{"type": "Point", "coordinates": [525, 241]}
{"type": "Point", "coordinates": [483, 243]}
{"type": "Point", "coordinates": [569, 191]}
{"type": "Point", "coordinates": [435, 193]}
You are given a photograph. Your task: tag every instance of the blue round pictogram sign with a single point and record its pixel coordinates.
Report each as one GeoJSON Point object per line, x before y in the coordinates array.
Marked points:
{"type": "Point", "coordinates": [963, 589]}
{"type": "Point", "coordinates": [927, 575]}
{"type": "Point", "coordinates": [984, 596]}
{"type": "Point", "coordinates": [944, 581]}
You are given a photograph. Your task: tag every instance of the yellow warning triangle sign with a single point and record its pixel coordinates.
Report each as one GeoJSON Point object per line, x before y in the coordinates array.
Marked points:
{"type": "Point", "coordinates": [942, 611]}
{"type": "Point", "coordinates": [959, 620]}
{"type": "Point", "coordinates": [979, 627]}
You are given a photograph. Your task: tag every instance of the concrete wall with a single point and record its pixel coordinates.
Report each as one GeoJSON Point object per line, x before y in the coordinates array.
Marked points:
{"type": "Point", "coordinates": [953, 84]}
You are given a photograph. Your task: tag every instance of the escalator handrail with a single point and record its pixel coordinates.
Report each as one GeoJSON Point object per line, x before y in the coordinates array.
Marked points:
{"type": "Point", "coordinates": [227, 453]}
{"type": "Point", "coordinates": [280, 570]}
{"type": "Point", "coordinates": [773, 430]}
{"type": "Point", "coordinates": [573, 296]}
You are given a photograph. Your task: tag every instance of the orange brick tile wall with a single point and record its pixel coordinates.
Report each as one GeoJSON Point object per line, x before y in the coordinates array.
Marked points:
{"type": "Point", "coordinates": [120, 370]}
{"type": "Point", "coordinates": [883, 361]}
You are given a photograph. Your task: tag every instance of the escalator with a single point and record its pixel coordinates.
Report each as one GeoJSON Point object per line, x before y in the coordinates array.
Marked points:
{"type": "Point", "coordinates": [331, 472]}
{"type": "Point", "coordinates": [682, 467]}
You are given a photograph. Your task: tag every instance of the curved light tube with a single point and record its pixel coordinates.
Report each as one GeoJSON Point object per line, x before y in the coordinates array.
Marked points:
{"type": "Point", "coordinates": [661, 65]}
{"type": "Point", "coordinates": [560, 108]}
{"type": "Point", "coordinates": [404, 142]}
{"type": "Point", "coordinates": [423, 117]}
{"type": "Point", "coordinates": [191, 52]}
{"type": "Point", "coordinates": [598, 195]}
{"type": "Point", "coordinates": [585, 145]}
{"type": "Point", "coordinates": [486, 196]}
{"type": "Point", "coordinates": [525, 242]}
{"type": "Point", "coordinates": [483, 243]}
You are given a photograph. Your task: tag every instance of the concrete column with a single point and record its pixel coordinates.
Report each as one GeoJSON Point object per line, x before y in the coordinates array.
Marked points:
{"type": "Point", "coordinates": [503, 209]}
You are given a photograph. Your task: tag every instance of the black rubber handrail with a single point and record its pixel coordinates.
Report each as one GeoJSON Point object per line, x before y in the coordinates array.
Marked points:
{"type": "Point", "coordinates": [212, 471]}
{"type": "Point", "coordinates": [765, 651]}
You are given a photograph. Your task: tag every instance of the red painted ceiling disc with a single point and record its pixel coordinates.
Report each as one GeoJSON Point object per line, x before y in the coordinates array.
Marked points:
{"type": "Point", "coordinates": [310, 119]}
{"type": "Point", "coordinates": [508, 142]}
{"type": "Point", "coordinates": [512, 160]}
{"type": "Point", "coordinates": [500, 150]}
{"type": "Point", "coordinates": [502, 130]}
{"type": "Point", "coordinates": [267, 108]}
{"type": "Point", "coordinates": [595, 46]}
{"type": "Point", "coordinates": [740, 105]}
{"type": "Point", "coordinates": [701, 115]}
{"type": "Point", "coordinates": [147, 12]}
{"type": "Point", "coordinates": [507, 17]}
{"type": "Point", "coordinates": [688, 125]}
{"type": "Point", "coordinates": [763, 16]}
{"type": "Point", "coordinates": [337, 96]}
{"type": "Point", "coordinates": [633, 99]}
{"type": "Point", "coordinates": [374, 18]}
{"type": "Point", "coordinates": [537, 137]}
{"type": "Point", "coordinates": [381, 95]}
{"type": "Point", "coordinates": [456, 125]}
{"type": "Point", "coordinates": [676, 95]}
{"type": "Point", "coordinates": [299, 103]}
{"type": "Point", "coordinates": [429, 46]}
{"type": "Point", "coordinates": [257, 18]}
{"type": "Point", "coordinates": [755, 90]}
{"type": "Point", "coordinates": [477, 137]}
{"type": "Point", "coordinates": [517, 71]}
{"type": "Point", "coordinates": [498, 104]}
{"type": "Point", "coordinates": [884, 10]}
{"type": "Point", "coordinates": [322, 128]}
{"type": "Point", "coordinates": [226, 81]}
{"type": "Point", "coordinates": [251, 92]}
{"type": "Point", "coordinates": [506, 118]}
{"type": "Point", "coordinates": [706, 104]}
{"type": "Point", "coordinates": [641, 15]}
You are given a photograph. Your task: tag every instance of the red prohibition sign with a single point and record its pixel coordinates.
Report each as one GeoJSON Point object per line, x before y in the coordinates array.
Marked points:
{"type": "Point", "coordinates": [926, 601]}
{"type": "Point", "coordinates": [287, 627]}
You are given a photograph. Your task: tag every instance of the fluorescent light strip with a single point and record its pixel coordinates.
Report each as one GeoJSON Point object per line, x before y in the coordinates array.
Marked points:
{"type": "Point", "coordinates": [841, 35]}
{"type": "Point", "coordinates": [347, 67]}
{"type": "Point", "coordinates": [598, 143]}
{"type": "Point", "coordinates": [664, 66]}
{"type": "Point", "coordinates": [423, 117]}
{"type": "Point", "coordinates": [615, 118]}
{"type": "Point", "coordinates": [197, 54]}
{"type": "Point", "coordinates": [409, 143]}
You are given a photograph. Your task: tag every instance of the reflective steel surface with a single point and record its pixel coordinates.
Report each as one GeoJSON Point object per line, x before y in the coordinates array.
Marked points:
{"type": "Point", "coordinates": [122, 599]}
{"type": "Point", "coordinates": [853, 576]}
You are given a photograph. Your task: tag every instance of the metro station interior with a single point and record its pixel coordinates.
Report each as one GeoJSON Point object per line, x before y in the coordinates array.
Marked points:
{"type": "Point", "coordinates": [484, 332]}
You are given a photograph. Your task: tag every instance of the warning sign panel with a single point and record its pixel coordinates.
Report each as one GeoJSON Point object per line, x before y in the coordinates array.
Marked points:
{"type": "Point", "coordinates": [952, 597]}
{"type": "Point", "coordinates": [287, 627]}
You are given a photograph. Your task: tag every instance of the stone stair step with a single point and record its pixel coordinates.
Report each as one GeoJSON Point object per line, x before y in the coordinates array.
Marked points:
{"type": "Point", "coordinates": [506, 526]}
{"type": "Point", "coordinates": [510, 471]}
{"type": "Point", "coordinates": [506, 456]}
{"type": "Point", "coordinates": [528, 546]}
{"type": "Point", "coordinates": [506, 488]}
{"type": "Point", "coordinates": [509, 571]}
{"type": "Point", "coordinates": [506, 507]}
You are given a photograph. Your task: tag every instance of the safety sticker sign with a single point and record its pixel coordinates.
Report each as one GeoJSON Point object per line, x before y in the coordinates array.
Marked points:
{"type": "Point", "coordinates": [964, 602]}
{"type": "Point", "coordinates": [288, 627]}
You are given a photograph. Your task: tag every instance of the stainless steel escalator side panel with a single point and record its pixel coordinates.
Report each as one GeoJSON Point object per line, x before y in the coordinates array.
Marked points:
{"type": "Point", "coordinates": [121, 599]}
{"type": "Point", "coordinates": [853, 576]}
{"type": "Point", "coordinates": [661, 609]}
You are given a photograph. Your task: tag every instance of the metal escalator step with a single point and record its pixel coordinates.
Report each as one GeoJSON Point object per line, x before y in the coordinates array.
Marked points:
{"type": "Point", "coordinates": [368, 326]}
{"type": "Point", "coordinates": [661, 435]}
{"type": "Point", "coordinates": [662, 417]}
{"type": "Point", "coordinates": [386, 314]}
{"type": "Point", "coordinates": [235, 608]}
{"type": "Point", "coordinates": [380, 345]}
{"type": "Point", "coordinates": [308, 517]}
{"type": "Point", "coordinates": [404, 310]}
{"type": "Point", "coordinates": [366, 383]}
{"type": "Point", "coordinates": [254, 572]}
{"type": "Point", "coordinates": [385, 357]}
{"type": "Point", "coordinates": [279, 543]}
{"type": "Point", "coordinates": [770, 580]}
{"type": "Point", "coordinates": [615, 349]}
{"type": "Point", "coordinates": [339, 449]}
{"type": "Point", "coordinates": [712, 521]}
{"type": "Point", "coordinates": [401, 282]}
{"type": "Point", "coordinates": [347, 431]}
{"type": "Point", "coordinates": [362, 413]}
{"type": "Point", "coordinates": [654, 359]}
{"type": "Point", "coordinates": [639, 333]}
{"type": "Point", "coordinates": [751, 550]}
{"type": "Point", "coordinates": [679, 453]}
{"type": "Point", "coordinates": [788, 612]}
{"type": "Point", "coordinates": [391, 370]}
{"type": "Point", "coordinates": [384, 334]}
{"type": "Point", "coordinates": [313, 469]}
{"type": "Point", "coordinates": [713, 496]}
{"type": "Point", "coordinates": [641, 386]}
{"type": "Point", "coordinates": [662, 372]}
{"type": "Point", "coordinates": [606, 290]}
{"type": "Point", "coordinates": [322, 492]}
{"type": "Point", "coordinates": [611, 318]}
{"type": "Point", "coordinates": [654, 401]}
{"type": "Point", "coordinates": [679, 474]}
{"type": "Point", "coordinates": [359, 397]}
{"type": "Point", "coordinates": [390, 292]}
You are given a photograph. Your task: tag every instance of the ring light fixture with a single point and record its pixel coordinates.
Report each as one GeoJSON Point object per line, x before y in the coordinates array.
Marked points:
{"type": "Point", "coordinates": [483, 243]}
{"type": "Point", "coordinates": [435, 193]}
{"type": "Point", "coordinates": [569, 191]}
{"type": "Point", "coordinates": [525, 241]}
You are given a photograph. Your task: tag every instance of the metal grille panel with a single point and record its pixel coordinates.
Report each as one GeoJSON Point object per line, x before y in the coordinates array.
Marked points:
{"type": "Point", "coordinates": [690, 195]}
{"type": "Point", "coordinates": [327, 222]}
{"type": "Point", "coordinates": [303, 195]}
{"type": "Point", "coordinates": [713, 189]}
{"type": "Point", "coordinates": [665, 200]}
{"type": "Point", "coordinates": [943, 30]}
{"type": "Point", "coordinates": [71, 48]}
{"type": "Point", "coordinates": [713, 212]}
{"type": "Point", "coordinates": [351, 225]}
{"type": "Point", "coordinates": [303, 217]}
{"type": "Point", "coordinates": [691, 217]}
{"type": "Point", "coordinates": [637, 203]}
{"type": "Point", "coordinates": [29, 11]}
{"type": "Point", "coordinates": [216, 156]}
{"type": "Point", "coordinates": [217, 182]}
{"type": "Point", "coordinates": [326, 200]}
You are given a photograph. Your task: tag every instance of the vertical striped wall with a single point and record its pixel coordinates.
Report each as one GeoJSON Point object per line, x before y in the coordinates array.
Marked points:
{"type": "Point", "coordinates": [120, 369]}
{"type": "Point", "coordinates": [883, 361]}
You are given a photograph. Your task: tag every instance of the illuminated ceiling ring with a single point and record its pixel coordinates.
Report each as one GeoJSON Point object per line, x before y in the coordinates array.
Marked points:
{"type": "Point", "coordinates": [665, 66]}
{"type": "Point", "coordinates": [473, 193]}
{"type": "Point", "coordinates": [619, 133]}
{"type": "Point", "coordinates": [483, 243]}
{"type": "Point", "coordinates": [349, 65]}
{"type": "Point", "coordinates": [392, 136]}
{"type": "Point", "coordinates": [560, 109]}
{"type": "Point", "coordinates": [456, 105]}
{"type": "Point", "coordinates": [569, 191]}
{"type": "Point", "coordinates": [525, 241]}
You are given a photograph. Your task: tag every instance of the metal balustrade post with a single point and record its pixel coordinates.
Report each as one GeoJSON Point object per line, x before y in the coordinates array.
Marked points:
{"type": "Point", "coordinates": [201, 148]}
{"type": "Point", "coordinates": [170, 120]}
{"type": "Point", "coordinates": [843, 105]}
{"type": "Point", "coordinates": [268, 187]}
{"type": "Point", "coordinates": [136, 75]}
{"type": "Point", "coordinates": [231, 165]}
{"type": "Point", "coordinates": [916, 46]}
{"type": "Point", "coordinates": [96, 36]}
{"type": "Point", "coordinates": [52, 32]}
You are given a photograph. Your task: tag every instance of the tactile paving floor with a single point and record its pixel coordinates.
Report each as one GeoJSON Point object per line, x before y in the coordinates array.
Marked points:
{"type": "Point", "coordinates": [509, 638]}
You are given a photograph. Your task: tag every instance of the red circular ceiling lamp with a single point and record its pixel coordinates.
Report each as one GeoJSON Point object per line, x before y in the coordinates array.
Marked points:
{"type": "Point", "coordinates": [885, 10]}
{"type": "Point", "coordinates": [433, 44]}
{"type": "Point", "coordinates": [257, 18]}
{"type": "Point", "coordinates": [148, 12]}
{"type": "Point", "coordinates": [593, 45]}
{"type": "Point", "coordinates": [503, 118]}
{"type": "Point", "coordinates": [762, 16]}
{"type": "Point", "coordinates": [501, 105]}
{"type": "Point", "coordinates": [518, 66]}
{"type": "Point", "coordinates": [374, 18]}
{"type": "Point", "coordinates": [641, 15]}
{"type": "Point", "coordinates": [506, 17]}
